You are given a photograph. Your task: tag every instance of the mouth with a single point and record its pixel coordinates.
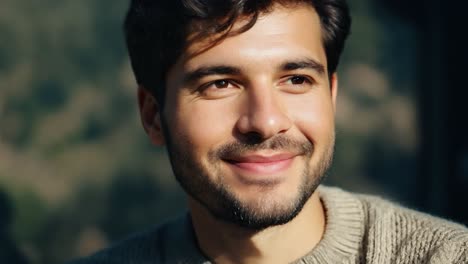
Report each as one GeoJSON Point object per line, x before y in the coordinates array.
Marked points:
{"type": "Point", "coordinates": [259, 164]}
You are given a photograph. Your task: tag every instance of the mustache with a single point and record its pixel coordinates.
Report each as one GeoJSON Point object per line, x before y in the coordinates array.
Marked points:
{"type": "Point", "coordinates": [280, 142]}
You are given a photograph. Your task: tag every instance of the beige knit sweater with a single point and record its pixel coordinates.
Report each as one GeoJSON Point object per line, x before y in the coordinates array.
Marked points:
{"type": "Point", "coordinates": [367, 229]}
{"type": "Point", "coordinates": [359, 229]}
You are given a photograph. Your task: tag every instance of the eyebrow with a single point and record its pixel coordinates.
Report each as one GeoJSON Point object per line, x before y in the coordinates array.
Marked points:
{"type": "Point", "coordinates": [304, 64]}
{"type": "Point", "coordinates": [204, 71]}
{"type": "Point", "coordinates": [201, 72]}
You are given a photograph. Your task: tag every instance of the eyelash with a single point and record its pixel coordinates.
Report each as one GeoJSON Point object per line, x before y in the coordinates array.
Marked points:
{"type": "Point", "coordinates": [306, 81]}
{"type": "Point", "coordinates": [208, 85]}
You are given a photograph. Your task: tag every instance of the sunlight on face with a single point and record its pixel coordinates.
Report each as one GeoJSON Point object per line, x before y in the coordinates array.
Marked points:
{"type": "Point", "coordinates": [249, 123]}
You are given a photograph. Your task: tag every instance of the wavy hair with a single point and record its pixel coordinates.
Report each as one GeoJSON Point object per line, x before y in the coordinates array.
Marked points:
{"type": "Point", "coordinates": [158, 31]}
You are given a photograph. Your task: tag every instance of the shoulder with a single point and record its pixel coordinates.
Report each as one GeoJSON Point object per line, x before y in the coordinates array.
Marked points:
{"type": "Point", "coordinates": [390, 233]}
{"type": "Point", "coordinates": [137, 247]}
{"type": "Point", "coordinates": [171, 242]}
{"type": "Point", "coordinates": [143, 247]}
{"type": "Point", "coordinates": [413, 235]}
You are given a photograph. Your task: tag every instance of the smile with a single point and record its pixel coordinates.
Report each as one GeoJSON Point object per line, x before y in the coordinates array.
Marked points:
{"type": "Point", "coordinates": [259, 164]}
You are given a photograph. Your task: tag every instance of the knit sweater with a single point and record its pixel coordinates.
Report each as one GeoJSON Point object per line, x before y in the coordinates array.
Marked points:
{"type": "Point", "coordinates": [359, 229]}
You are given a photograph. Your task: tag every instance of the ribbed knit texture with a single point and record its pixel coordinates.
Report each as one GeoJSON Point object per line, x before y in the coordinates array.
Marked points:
{"type": "Point", "coordinates": [359, 229]}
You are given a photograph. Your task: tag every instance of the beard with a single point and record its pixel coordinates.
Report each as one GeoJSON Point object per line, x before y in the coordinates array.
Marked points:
{"type": "Point", "coordinates": [220, 200]}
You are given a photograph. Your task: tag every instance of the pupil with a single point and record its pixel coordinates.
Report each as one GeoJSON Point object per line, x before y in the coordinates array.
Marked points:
{"type": "Point", "coordinates": [221, 84]}
{"type": "Point", "coordinates": [297, 80]}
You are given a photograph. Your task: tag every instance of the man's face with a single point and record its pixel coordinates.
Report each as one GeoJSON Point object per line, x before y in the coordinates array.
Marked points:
{"type": "Point", "coordinates": [249, 123]}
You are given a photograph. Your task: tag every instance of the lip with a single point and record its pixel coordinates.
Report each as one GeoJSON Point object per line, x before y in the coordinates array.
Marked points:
{"type": "Point", "coordinates": [262, 164]}
{"type": "Point", "coordinates": [257, 158]}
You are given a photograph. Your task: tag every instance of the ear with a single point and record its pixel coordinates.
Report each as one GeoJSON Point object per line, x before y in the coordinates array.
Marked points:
{"type": "Point", "coordinates": [150, 114]}
{"type": "Point", "coordinates": [334, 89]}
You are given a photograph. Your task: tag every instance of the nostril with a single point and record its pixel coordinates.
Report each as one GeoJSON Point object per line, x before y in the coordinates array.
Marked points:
{"type": "Point", "coordinates": [253, 138]}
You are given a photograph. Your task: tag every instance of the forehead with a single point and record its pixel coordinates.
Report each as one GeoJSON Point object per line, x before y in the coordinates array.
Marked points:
{"type": "Point", "coordinates": [292, 32]}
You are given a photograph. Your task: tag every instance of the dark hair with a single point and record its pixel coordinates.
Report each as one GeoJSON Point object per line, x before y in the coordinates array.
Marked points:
{"type": "Point", "coordinates": [157, 31]}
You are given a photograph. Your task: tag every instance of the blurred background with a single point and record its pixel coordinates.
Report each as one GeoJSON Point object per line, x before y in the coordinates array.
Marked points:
{"type": "Point", "coordinates": [77, 171]}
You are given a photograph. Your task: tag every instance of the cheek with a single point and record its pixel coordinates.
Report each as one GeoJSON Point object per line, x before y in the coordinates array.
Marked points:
{"type": "Point", "coordinates": [203, 124]}
{"type": "Point", "coordinates": [314, 117]}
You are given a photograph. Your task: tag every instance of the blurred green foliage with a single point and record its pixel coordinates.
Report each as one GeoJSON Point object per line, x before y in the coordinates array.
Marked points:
{"type": "Point", "coordinates": [70, 141]}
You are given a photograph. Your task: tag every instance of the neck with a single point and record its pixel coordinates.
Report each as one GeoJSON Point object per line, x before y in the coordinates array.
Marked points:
{"type": "Point", "coordinates": [224, 242]}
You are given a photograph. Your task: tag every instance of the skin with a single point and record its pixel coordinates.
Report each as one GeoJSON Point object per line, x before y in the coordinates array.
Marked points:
{"type": "Point", "coordinates": [263, 100]}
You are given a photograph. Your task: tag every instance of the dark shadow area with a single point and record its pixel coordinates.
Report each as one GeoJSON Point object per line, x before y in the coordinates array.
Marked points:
{"type": "Point", "coordinates": [9, 251]}
{"type": "Point", "coordinates": [136, 201]}
{"type": "Point", "coordinates": [442, 181]}
{"type": "Point", "coordinates": [97, 215]}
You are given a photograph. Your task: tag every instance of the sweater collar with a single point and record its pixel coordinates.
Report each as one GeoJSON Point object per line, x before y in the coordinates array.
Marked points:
{"type": "Point", "coordinates": [344, 231]}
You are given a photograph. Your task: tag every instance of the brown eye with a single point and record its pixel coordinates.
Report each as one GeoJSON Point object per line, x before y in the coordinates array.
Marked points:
{"type": "Point", "coordinates": [297, 84]}
{"type": "Point", "coordinates": [298, 80]}
{"type": "Point", "coordinates": [221, 84]}
{"type": "Point", "coordinates": [218, 89]}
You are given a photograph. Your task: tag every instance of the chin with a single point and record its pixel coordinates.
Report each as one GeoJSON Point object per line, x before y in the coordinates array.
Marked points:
{"type": "Point", "coordinates": [261, 216]}
{"type": "Point", "coordinates": [266, 208]}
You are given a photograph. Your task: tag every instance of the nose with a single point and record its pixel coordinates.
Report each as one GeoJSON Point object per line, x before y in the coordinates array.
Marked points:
{"type": "Point", "coordinates": [264, 114]}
